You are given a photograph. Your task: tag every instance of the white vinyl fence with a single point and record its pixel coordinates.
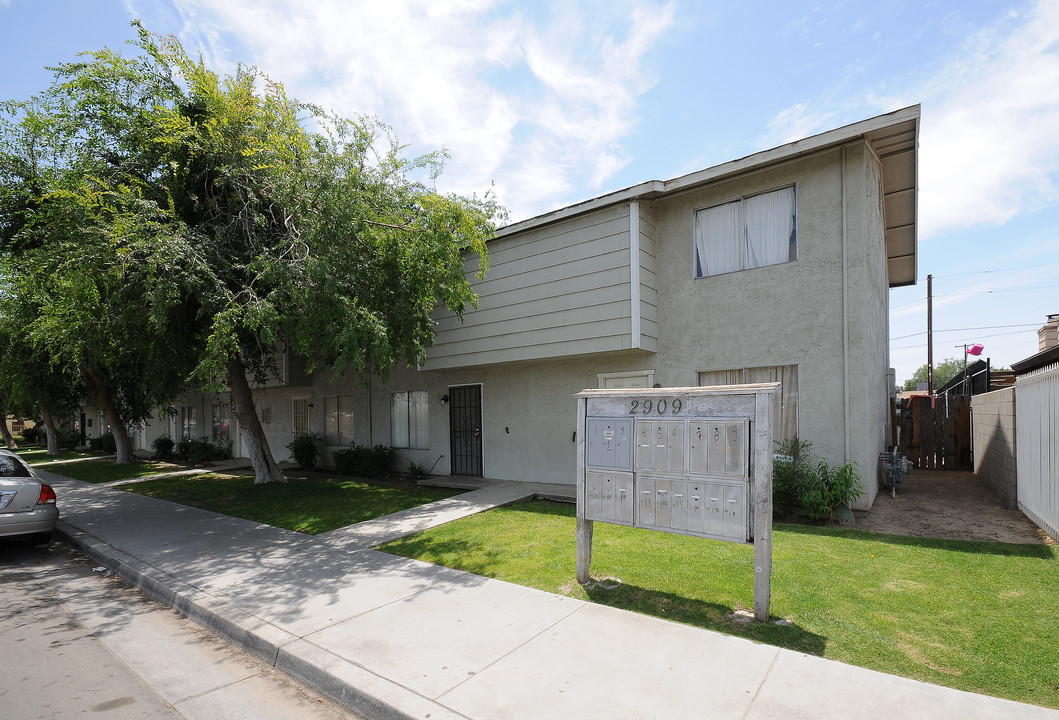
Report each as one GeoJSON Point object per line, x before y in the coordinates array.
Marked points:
{"type": "Point", "coordinates": [1037, 446]}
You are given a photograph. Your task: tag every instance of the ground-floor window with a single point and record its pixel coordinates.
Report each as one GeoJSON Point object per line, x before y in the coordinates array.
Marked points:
{"type": "Point", "coordinates": [338, 420]}
{"type": "Point", "coordinates": [408, 420]}
{"type": "Point", "coordinates": [189, 429]}
{"type": "Point", "coordinates": [785, 405]}
{"type": "Point", "coordinates": [222, 422]}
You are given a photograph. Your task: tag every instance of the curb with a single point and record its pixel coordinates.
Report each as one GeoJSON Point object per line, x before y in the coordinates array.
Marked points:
{"type": "Point", "coordinates": [351, 686]}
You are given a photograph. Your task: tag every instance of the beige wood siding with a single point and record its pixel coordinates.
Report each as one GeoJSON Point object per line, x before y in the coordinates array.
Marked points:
{"type": "Point", "coordinates": [557, 290]}
{"type": "Point", "coordinates": [648, 277]}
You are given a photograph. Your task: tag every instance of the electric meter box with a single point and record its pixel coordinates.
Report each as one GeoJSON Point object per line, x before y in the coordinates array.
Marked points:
{"type": "Point", "coordinates": [692, 461]}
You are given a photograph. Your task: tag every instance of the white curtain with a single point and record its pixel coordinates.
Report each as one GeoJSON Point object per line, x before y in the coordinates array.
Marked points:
{"type": "Point", "coordinates": [718, 240]}
{"type": "Point", "coordinates": [785, 403]}
{"type": "Point", "coordinates": [769, 227]}
{"type": "Point", "coordinates": [399, 420]}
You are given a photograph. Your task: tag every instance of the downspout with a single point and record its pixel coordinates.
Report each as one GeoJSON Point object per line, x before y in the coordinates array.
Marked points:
{"type": "Point", "coordinates": [845, 314]}
{"type": "Point", "coordinates": [634, 272]}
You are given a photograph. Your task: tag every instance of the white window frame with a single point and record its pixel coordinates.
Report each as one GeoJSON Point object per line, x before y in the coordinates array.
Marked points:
{"type": "Point", "coordinates": [409, 419]}
{"type": "Point", "coordinates": [740, 238]}
{"type": "Point", "coordinates": [648, 375]}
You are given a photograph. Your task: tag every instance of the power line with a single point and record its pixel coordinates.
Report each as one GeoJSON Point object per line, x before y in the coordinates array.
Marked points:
{"type": "Point", "coordinates": [972, 329]}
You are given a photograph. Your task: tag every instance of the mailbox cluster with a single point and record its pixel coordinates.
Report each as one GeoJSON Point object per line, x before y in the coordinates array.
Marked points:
{"type": "Point", "coordinates": [686, 475]}
{"type": "Point", "coordinates": [693, 461]}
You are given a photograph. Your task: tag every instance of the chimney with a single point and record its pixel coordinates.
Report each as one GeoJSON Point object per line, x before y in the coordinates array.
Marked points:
{"type": "Point", "coordinates": [1048, 336]}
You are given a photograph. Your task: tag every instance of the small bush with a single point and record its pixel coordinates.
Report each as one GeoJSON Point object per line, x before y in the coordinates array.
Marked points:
{"type": "Point", "coordinates": [105, 443]}
{"type": "Point", "coordinates": [201, 450]}
{"type": "Point", "coordinates": [305, 449]}
{"type": "Point", "coordinates": [163, 447]}
{"type": "Point", "coordinates": [32, 435]}
{"type": "Point", "coordinates": [364, 461]}
{"type": "Point", "coordinates": [802, 482]}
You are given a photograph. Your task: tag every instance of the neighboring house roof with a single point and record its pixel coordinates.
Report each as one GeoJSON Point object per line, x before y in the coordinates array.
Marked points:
{"type": "Point", "coordinates": [1033, 362]}
{"type": "Point", "coordinates": [895, 139]}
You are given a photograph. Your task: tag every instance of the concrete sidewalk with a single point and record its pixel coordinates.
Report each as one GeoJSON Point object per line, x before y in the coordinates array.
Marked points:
{"type": "Point", "coordinates": [397, 638]}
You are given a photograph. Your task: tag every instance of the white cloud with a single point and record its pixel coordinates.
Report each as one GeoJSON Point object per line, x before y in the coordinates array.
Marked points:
{"type": "Point", "coordinates": [989, 139]}
{"type": "Point", "coordinates": [989, 135]}
{"type": "Point", "coordinates": [539, 106]}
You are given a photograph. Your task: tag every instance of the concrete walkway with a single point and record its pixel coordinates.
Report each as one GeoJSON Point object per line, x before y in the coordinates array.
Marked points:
{"type": "Point", "coordinates": [396, 638]}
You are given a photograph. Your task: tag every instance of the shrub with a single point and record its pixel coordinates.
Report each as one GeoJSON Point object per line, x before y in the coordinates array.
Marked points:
{"type": "Point", "coordinates": [105, 443]}
{"type": "Point", "coordinates": [202, 450]}
{"type": "Point", "coordinates": [800, 481]}
{"type": "Point", "coordinates": [31, 435]}
{"type": "Point", "coordinates": [364, 461]}
{"type": "Point", "coordinates": [163, 447]}
{"type": "Point", "coordinates": [830, 488]}
{"type": "Point", "coordinates": [305, 449]}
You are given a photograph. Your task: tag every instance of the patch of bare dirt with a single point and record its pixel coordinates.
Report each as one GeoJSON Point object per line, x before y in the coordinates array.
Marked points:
{"type": "Point", "coordinates": [948, 504]}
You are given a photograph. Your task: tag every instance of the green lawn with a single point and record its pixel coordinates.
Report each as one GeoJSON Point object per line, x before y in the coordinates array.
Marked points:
{"type": "Point", "coordinates": [312, 503]}
{"type": "Point", "coordinates": [100, 471]}
{"type": "Point", "coordinates": [973, 616]}
{"type": "Point", "coordinates": [38, 456]}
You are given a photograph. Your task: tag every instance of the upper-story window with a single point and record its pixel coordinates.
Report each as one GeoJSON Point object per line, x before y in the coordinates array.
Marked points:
{"type": "Point", "coordinates": [747, 233]}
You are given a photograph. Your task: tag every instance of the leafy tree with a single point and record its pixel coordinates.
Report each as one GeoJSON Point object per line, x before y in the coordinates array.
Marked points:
{"type": "Point", "coordinates": [943, 372]}
{"type": "Point", "coordinates": [92, 271]}
{"type": "Point", "coordinates": [211, 209]}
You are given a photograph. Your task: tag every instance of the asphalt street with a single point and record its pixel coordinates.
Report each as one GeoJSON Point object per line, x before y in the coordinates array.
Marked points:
{"type": "Point", "coordinates": [79, 641]}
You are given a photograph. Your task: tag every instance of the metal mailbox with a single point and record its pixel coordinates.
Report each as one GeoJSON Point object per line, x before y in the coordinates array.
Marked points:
{"type": "Point", "coordinates": [693, 461]}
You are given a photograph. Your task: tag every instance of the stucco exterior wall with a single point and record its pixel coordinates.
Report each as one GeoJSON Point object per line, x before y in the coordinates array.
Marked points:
{"type": "Point", "coordinates": [792, 313]}
{"type": "Point", "coordinates": [993, 439]}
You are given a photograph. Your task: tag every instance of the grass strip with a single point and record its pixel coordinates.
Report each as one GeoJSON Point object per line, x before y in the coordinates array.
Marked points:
{"type": "Point", "coordinates": [101, 471]}
{"type": "Point", "coordinates": [973, 616]}
{"type": "Point", "coordinates": [311, 503]}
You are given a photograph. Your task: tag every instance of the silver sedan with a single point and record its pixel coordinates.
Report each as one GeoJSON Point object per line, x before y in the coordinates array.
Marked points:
{"type": "Point", "coordinates": [27, 505]}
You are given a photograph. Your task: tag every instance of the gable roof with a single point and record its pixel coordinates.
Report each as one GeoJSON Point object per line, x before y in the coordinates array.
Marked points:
{"type": "Point", "coordinates": [895, 139]}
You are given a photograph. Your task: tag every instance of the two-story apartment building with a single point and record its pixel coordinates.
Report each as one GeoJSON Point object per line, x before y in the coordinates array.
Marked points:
{"type": "Point", "coordinates": [776, 266]}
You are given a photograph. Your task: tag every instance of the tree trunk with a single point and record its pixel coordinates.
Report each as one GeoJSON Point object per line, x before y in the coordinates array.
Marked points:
{"type": "Point", "coordinates": [265, 467]}
{"type": "Point", "coordinates": [5, 431]}
{"type": "Point", "coordinates": [50, 432]}
{"type": "Point", "coordinates": [123, 446]}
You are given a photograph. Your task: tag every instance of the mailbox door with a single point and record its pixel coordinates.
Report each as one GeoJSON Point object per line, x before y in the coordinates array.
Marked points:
{"type": "Point", "coordinates": [675, 446]}
{"type": "Point", "coordinates": [714, 504]}
{"type": "Point", "coordinates": [678, 505]}
{"type": "Point", "coordinates": [623, 498]}
{"type": "Point", "coordinates": [663, 500]}
{"type": "Point", "coordinates": [645, 501]}
{"type": "Point", "coordinates": [593, 495]}
{"type": "Point", "coordinates": [715, 443]}
{"type": "Point", "coordinates": [696, 507]}
{"type": "Point", "coordinates": [734, 513]}
{"type": "Point", "coordinates": [735, 448]}
{"type": "Point", "coordinates": [698, 434]}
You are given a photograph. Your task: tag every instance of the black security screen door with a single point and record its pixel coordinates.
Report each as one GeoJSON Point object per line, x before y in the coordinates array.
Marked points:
{"type": "Point", "coordinates": [465, 423]}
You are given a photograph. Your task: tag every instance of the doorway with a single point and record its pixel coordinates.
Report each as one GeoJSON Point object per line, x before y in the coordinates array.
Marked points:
{"type": "Point", "coordinates": [465, 429]}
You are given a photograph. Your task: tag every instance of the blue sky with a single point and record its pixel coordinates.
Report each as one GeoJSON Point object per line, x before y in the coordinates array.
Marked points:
{"type": "Point", "coordinates": [555, 102]}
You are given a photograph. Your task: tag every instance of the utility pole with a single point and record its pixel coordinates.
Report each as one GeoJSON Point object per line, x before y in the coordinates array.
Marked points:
{"type": "Point", "coordinates": [930, 337]}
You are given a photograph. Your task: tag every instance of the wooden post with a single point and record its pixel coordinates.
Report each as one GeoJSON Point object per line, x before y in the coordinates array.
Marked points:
{"type": "Point", "coordinates": [584, 527]}
{"type": "Point", "coordinates": [762, 510]}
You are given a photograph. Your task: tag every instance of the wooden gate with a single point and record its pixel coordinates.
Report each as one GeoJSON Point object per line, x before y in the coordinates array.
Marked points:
{"type": "Point", "coordinates": [937, 434]}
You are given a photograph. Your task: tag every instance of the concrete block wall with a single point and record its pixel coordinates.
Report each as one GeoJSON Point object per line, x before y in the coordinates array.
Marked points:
{"type": "Point", "coordinates": [993, 437]}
